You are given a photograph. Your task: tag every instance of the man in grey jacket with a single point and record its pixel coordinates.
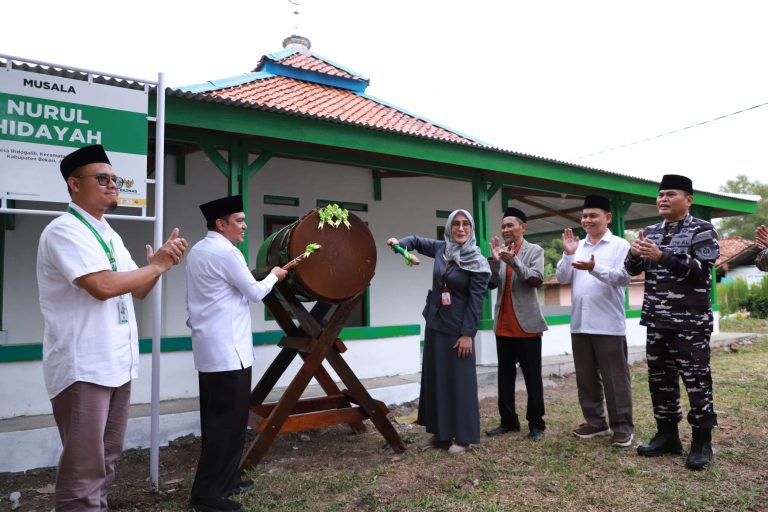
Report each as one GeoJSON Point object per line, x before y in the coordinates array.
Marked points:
{"type": "Point", "coordinates": [519, 324]}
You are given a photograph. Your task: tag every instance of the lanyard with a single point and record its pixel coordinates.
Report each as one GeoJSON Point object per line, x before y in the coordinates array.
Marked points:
{"type": "Point", "coordinates": [448, 269]}
{"type": "Point", "coordinates": [108, 250]}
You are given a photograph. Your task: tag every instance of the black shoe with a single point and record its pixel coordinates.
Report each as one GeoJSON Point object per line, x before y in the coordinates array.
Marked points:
{"type": "Point", "coordinates": [666, 440]}
{"type": "Point", "coordinates": [701, 449]}
{"type": "Point", "coordinates": [536, 434]}
{"type": "Point", "coordinates": [214, 505]}
{"type": "Point", "coordinates": [501, 429]}
{"type": "Point", "coordinates": [239, 487]}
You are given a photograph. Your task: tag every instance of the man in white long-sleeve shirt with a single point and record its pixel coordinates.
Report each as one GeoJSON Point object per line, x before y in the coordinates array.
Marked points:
{"type": "Point", "coordinates": [595, 269]}
{"type": "Point", "coordinates": [219, 289]}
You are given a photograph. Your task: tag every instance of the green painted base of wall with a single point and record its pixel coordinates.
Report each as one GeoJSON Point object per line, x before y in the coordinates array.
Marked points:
{"type": "Point", "coordinates": [34, 351]}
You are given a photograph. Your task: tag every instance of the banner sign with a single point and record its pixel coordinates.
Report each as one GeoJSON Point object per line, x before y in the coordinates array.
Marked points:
{"type": "Point", "coordinates": [43, 118]}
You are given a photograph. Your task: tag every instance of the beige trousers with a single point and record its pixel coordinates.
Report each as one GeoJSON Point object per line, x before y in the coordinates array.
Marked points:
{"type": "Point", "coordinates": [91, 421]}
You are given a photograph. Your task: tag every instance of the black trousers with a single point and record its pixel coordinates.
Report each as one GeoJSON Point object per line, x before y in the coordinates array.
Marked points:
{"type": "Point", "coordinates": [224, 400]}
{"type": "Point", "coordinates": [527, 352]}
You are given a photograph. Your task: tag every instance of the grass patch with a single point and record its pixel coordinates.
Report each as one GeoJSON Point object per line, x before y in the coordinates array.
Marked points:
{"type": "Point", "coordinates": [331, 470]}
{"type": "Point", "coordinates": [511, 473]}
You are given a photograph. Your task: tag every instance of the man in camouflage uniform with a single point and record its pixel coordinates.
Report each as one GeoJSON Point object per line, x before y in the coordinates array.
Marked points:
{"type": "Point", "coordinates": [677, 256]}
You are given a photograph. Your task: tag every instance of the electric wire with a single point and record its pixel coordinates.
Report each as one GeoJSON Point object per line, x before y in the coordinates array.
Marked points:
{"type": "Point", "coordinates": [640, 141]}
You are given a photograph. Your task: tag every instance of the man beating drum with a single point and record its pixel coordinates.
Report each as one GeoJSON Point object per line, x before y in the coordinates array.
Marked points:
{"type": "Point", "coordinates": [219, 288]}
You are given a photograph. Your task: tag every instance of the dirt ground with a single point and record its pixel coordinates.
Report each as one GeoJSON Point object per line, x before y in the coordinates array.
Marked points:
{"type": "Point", "coordinates": [333, 447]}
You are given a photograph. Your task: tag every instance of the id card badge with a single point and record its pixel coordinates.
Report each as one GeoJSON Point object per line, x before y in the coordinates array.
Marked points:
{"type": "Point", "coordinates": [122, 311]}
{"type": "Point", "coordinates": [445, 297]}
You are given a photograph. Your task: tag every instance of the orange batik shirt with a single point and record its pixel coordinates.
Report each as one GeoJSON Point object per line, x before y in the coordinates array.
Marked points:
{"type": "Point", "coordinates": [507, 324]}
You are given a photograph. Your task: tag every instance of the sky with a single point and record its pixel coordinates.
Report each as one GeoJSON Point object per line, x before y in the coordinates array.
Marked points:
{"type": "Point", "coordinates": [561, 79]}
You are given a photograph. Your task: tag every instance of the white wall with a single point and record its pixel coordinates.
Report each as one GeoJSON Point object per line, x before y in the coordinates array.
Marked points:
{"type": "Point", "coordinates": [750, 273]}
{"type": "Point", "coordinates": [22, 391]}
{"type": "Point", "coordinates": [397, 292]}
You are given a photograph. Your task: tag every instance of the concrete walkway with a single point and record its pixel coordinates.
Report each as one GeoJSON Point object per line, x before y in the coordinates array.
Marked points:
{"type": "Point", "coordinates": [30, 442]}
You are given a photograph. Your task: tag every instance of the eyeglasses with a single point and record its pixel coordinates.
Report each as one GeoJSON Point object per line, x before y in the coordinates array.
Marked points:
{"type": "Point", "coordinates": [104, 179]}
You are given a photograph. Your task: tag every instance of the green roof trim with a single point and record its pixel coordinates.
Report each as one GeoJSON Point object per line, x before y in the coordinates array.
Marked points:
{"type": "Point", "coordinates": [322, 140]}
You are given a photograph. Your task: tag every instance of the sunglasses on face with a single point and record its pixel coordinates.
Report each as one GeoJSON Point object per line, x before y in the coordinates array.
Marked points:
{"type": "Point", "coordinates": [104, 179]}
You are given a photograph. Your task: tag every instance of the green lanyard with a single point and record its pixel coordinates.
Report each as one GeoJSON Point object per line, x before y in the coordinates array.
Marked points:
{"type": "Point", "coordinates": [109, 250]}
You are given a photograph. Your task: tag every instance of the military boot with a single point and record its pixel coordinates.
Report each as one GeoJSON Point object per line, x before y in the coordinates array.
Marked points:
{"type": "Point", "coordinates": [701, 449]}
{"type": "Point", "coordinates": [666, 440]}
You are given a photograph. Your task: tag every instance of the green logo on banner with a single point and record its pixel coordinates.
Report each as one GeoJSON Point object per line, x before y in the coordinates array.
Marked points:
{"type": "Point", "coordinates": [50, 122]}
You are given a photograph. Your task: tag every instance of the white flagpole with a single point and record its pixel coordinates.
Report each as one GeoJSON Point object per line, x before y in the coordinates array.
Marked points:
{"type": "Point", "coordinates": [157, 293]}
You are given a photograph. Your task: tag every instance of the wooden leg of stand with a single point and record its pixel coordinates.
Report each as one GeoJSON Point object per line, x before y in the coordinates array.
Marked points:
{"type": "Point", "coordinates": [256, 451]}
{"type": "Point", "coordinates": [313, 360]}
{"type": "Point", "coordinates": [364, 399]}
{"type": "Point", "coordinates": [329, 386]}
{"type": "Point", "coordinates": [272, 375]}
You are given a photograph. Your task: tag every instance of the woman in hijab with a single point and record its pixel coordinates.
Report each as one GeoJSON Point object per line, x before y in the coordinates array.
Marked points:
{"type": "Point", "coordinates": [448, 403]}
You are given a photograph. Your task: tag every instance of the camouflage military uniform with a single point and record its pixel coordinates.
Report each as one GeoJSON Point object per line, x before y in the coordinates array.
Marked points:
{"type": "Point", "coordinates": [677, 311]}
{"type": "Point", "coordinates": [762, 260]}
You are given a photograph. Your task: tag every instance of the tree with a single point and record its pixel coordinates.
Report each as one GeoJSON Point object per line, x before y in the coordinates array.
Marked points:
{"type": "Point", "coordinates": [553, 250]}
{"type": "Point", "coordinates": [745, 225]}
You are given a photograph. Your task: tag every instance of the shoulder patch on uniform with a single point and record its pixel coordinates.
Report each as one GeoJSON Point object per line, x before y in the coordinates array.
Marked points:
{"type": "Point", "coordinates": [703, 236]}
{"type": "Point", "coordinates": [707, 252]}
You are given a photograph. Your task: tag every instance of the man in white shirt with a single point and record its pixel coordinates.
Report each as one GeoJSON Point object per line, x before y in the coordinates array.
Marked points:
{"type": "Point", "coordinates": [219, 288]}
{"type": "Point", "coordinates": [87, 281]}
{"type": "Point", "coordinates": [595, 269]}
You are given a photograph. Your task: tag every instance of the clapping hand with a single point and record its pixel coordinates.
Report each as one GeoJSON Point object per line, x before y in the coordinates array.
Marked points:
{"type": "Point", "coordinates": [762, 236]}
{"type": "Point", "coordinates": [645, 248]}
{"type": "Point", "coordinates": [585, 265]}
{"type": "Point", "coordinates": [500, 252]}
{"type": "Point", "coordinates": [170, 253]}
{"type": "Point", "coordinates": [570, 242]}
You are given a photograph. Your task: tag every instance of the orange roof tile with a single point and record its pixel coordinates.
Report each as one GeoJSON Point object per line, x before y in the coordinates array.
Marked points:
{"type": "Point", "coordinates": [309, 62]}
{"type": "Point", "coordinates": [326, 102]}
{"type": "Point", "coordinates": [732, 246]}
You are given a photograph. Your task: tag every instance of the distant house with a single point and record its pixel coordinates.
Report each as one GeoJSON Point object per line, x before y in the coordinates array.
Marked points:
{"type": "Point", "coordinates": [737, 259]}
{"type": "Point", "coordinates": [553, 294]}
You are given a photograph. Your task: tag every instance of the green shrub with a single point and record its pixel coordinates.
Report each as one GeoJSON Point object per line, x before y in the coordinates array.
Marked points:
{"type": "Point", "coordinates": [732, 294]}
{"type": "Point", "coordinates": [756, 304]}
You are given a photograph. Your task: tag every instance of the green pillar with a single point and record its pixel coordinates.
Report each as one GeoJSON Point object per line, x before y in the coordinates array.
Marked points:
{"type": "Point", "coordinates": [248, 172]}
{"type": "Point", "coordinates": [236, 161]}
{"type": "Point", "coordinates": [376, 175]}
{"type": "Point", "coordinates": [705, 213]}
{"type": "Point", "coordinates": [619, 208]}
{"type": "Point", "coordinates": [480, 213]}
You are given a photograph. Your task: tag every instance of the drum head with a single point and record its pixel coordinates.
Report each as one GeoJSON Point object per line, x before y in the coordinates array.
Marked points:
{"type": "Point", "coordinates": [344, 265]}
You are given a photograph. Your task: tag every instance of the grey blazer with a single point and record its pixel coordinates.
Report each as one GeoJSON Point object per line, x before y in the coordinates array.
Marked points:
{"type": "Point", "coordinates": [527, 276]}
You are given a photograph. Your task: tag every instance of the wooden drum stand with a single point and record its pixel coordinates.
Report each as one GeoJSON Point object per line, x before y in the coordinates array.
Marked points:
{"type": "Point", "coordinates": [314, 342]}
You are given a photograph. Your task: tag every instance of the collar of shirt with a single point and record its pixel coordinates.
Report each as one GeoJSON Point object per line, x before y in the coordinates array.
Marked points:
{"type": "Point", "coordinates": [607, 236]}
{"type": "Point", "coordinates": [101, 225]}
{"type": "Point", "coordinates": [219, 238]}
{"type": "Point", "coordinates": [684, 220]}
